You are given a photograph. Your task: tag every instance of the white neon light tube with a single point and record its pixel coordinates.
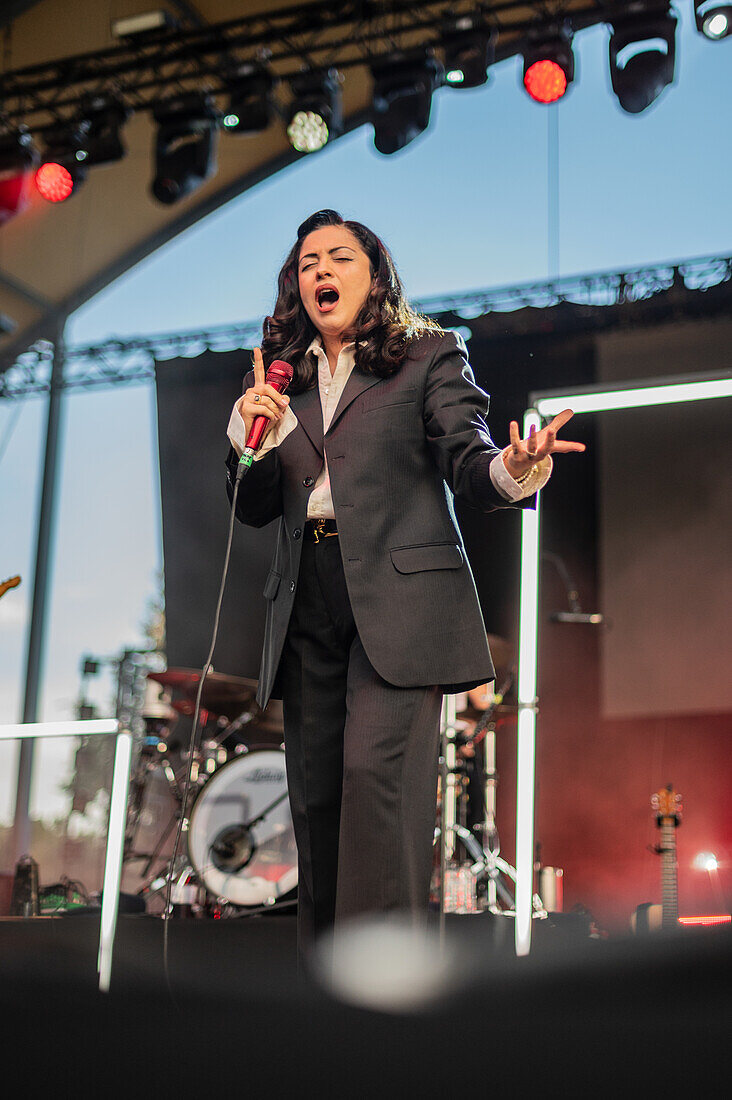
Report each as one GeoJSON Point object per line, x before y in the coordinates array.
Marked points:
{"type": "Point", "coordinates": [87, 728]}
{"type": "Point", "coordinates": [636, 397]}
{"type": "Point", "coordinates": [525, 765]}
{"type": "Point", "coordinates": [113, 860]}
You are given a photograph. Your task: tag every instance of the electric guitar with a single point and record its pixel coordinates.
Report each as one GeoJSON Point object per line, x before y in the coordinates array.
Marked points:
{"type": "Point", "coordinates": [12, 582]}
{"type": "Point", "coordinates": [667, 810]}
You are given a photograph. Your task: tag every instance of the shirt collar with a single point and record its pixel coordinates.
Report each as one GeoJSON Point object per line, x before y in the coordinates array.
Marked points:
{"type": "Point", "coordinates": [316, 346]}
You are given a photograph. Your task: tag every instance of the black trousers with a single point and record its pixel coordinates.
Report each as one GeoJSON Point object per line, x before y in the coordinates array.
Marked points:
{"type": "Point", "coordinates": [362, 759]}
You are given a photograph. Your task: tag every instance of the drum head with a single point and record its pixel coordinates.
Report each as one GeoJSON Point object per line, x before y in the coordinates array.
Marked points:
{"type": "Point", "coordinates": [240, 837]}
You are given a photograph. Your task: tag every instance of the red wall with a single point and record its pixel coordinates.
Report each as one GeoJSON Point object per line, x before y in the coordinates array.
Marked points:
{"type": "Point", "coordinates": [595, 779]}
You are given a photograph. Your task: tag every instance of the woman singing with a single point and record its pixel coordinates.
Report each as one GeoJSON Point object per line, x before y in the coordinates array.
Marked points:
{"type": "Point", "coordinates": [372, 609]}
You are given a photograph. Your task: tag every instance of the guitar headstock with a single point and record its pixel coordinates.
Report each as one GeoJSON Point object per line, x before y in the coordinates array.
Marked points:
{"type": "Point", "coordinates": [667, 806]}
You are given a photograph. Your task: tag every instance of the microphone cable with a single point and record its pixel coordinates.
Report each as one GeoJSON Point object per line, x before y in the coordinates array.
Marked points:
{"type": "Point", "coordinates": [192, 744]}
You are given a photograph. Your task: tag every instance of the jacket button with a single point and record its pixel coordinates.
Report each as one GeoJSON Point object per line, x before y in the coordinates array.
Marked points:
{"type": "Point", "coordinates": [292, 586]}
{"type": "Point", "coordinates": [296, 533]}
{"type": "Point", "coordinates": [307, 482]}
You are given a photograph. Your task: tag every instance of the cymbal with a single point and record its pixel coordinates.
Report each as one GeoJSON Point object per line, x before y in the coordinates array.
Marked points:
{"type": "Point", "coordinates": [222, 694]}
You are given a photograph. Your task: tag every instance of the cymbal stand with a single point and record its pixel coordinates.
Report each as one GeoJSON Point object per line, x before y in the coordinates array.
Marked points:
{"type": "Point", "coordinates": [488, 863]}
{"type": "Point", "coordinates": [492, 864]}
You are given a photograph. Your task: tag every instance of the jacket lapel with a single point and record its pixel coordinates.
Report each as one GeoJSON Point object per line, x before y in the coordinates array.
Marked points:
{"type": "Point", "coordinates": [354, 387]}
{"type": "Point", "coordinates": [309, 412]}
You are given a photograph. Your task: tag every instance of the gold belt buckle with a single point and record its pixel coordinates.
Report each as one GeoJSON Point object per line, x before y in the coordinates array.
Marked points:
{"type": "Point", "coordinates": [319, 530]}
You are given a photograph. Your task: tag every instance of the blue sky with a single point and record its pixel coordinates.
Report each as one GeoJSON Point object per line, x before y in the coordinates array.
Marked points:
{"type": "Point", "coordinates": [466, 205]}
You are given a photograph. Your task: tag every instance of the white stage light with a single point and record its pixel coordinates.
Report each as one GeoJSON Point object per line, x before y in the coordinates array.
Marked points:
{"type": "Point", "coordinates": [705, 861]}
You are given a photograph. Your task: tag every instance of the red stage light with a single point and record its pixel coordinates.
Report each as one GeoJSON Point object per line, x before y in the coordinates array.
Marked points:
{"type": "Point", "coordinates": [54, 182]}
{"type": "Point", "coordinates": [545, 81]}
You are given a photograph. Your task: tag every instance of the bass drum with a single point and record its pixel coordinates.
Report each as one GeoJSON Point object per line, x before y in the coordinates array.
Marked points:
{"type": "Point", "coordinates": [241, 842]}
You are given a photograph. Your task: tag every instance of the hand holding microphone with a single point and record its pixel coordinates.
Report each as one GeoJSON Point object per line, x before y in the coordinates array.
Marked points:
{"type": "Point", "coordinates": [263, 404]}
{"type": "Point", "coordinates": [261, 400]}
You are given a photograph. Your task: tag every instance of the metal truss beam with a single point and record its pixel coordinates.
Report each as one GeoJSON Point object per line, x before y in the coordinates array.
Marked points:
{"type": "Point", "coordinates": [119, 362]}
{"type": "Point", "coordinates": [141, 72]}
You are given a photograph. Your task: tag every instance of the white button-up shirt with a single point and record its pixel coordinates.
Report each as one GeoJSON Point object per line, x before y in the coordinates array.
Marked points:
{"type": "Point", "coordinates": [331, 386]}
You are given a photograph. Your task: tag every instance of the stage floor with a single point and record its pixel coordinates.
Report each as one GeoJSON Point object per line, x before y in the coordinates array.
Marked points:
{"type": "Point", "coordinates": [577, 1016]}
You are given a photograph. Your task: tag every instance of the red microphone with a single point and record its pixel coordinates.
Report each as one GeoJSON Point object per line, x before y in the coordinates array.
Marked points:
{"type": "Point", "coordinates": [279, 376]}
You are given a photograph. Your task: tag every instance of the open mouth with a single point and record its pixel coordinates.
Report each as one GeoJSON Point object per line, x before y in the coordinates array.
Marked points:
{"type": "Point", "coordinates": [326, 298]}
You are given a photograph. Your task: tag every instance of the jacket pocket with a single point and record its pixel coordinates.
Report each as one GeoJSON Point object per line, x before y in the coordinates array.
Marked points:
{"type": "Point", "coordinates": [272, 585]}
{"type": "Point", "coordinates": [395, 397]}
{"type": "Point", "coordinates": [433, 555]}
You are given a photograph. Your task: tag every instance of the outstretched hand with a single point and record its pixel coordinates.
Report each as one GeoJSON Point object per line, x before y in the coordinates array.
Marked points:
{"type": "Point", "coordinates": [522, 454]}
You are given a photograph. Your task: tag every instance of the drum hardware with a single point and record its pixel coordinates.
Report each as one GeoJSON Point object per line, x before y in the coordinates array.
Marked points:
{"type": "Point", "coordinates": [234, 847]}
{"type": "Point", "coordinates": [485, 881]}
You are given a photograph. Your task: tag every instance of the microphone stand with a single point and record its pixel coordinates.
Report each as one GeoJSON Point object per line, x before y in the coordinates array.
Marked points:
{"type": "Point", "coordinates": [575, 613]}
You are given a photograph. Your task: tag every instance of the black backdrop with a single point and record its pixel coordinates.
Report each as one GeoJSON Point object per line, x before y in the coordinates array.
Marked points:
{"type": "Point", "coordinates": [195, 397]}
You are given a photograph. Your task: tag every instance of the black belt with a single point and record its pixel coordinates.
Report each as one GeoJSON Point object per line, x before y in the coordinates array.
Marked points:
{"type": "Point", "coordinates": [317, 529]}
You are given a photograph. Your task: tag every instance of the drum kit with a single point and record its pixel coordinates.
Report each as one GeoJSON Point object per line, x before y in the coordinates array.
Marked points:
{"type": "Point", "coordinates": [240, 848]}
{"type": "Point", "coordinates": [238, 854]}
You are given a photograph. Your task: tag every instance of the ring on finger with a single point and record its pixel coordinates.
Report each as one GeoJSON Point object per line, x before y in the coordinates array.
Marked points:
{"type": "Point", "coordinates": [257, 398]}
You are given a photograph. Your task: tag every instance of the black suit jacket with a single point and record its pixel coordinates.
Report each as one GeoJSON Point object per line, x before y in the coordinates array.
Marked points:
{"type": "Point", "coordinates": [398, 448]}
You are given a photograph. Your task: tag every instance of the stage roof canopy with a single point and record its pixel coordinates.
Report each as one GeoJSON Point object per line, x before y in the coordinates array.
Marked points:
{"type": "Point", "coordinates": [60, 56]}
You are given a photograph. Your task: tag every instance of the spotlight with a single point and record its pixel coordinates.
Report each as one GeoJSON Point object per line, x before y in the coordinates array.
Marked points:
{"type": "Point", "coordinates": [468, 45]}
{"type": "Point", "coordinates": [549, 67]}
{"type": "Point", "coordinates": [54, 181]}
{"type": "Point", "coordinates": [63, 168]}
{"type": "Point", "coordinates": [402, 99]}
{"type": "Point", "coordinates": [642, 59]}
{"type": "Point", "coordinates": [102, 142]}
{"type": "Point", "coordinates": [185, 152]}
{"type": "Point", "coordinates": [712, 18]}
{"type": "Point", "coordinates": [18, 156]}
{"type": "Point", "coordinates": [315, 112]}
{"type": "Point", "coordinates": [249, 106]}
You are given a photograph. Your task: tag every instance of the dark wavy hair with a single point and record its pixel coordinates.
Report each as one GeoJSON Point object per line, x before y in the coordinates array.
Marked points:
{"type": "Point", "coordinates": [383, 330]}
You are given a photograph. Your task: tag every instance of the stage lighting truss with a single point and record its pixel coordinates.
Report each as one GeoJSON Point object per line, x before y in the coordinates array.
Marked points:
{"type": "Point", "coordinates": [185, 151]}
{"type": "Point", "coordinates": [713, 20]}
{"type": "Point", "coordinates": [549, 66]}
{"type": "Point", "coordinates": [468, 45]}
{"type": "Point", "coordinates": [315, 113]}
{"type": "Point", "coordinates": [132, 361]}
{"type": "Point", "coordinates": [402, 99]}
{"type": "Point", "coordinates": [642, 58]}
{"type": "Point", "coordinates": [253, 66]}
